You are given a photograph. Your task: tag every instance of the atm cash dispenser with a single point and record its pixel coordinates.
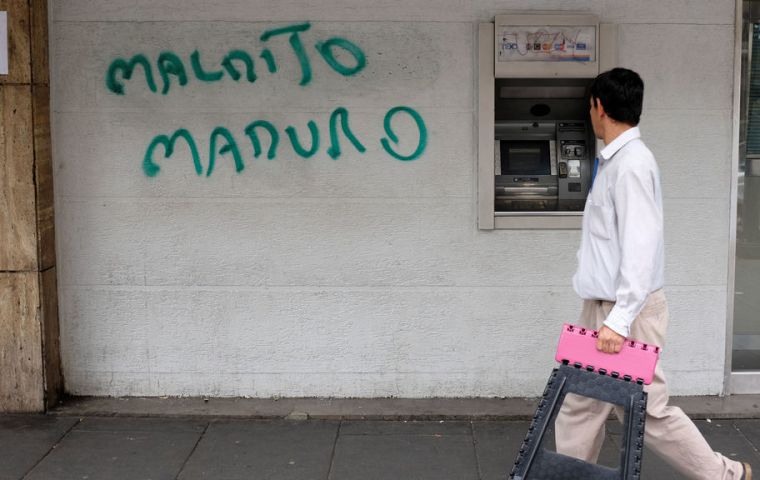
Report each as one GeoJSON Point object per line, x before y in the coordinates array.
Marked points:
{"type": "Point", "coordinates": [542, 145]}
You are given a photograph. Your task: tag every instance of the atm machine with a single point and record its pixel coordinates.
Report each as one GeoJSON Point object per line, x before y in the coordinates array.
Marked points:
{"type": "Point", "coordinates": [543, 141]}
{"type": "Point", "coordinates": [544, 145]}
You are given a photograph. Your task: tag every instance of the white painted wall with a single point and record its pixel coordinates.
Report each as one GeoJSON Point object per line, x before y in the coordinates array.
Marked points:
{"type": "Point", "coordinates": [363, 276]}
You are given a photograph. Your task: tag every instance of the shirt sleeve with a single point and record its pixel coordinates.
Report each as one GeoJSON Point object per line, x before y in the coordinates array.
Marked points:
{"type": "Point", "coordinates": [639, 231]}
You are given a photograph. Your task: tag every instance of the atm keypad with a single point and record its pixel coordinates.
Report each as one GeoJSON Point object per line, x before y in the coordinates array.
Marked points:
{"type": "Point", "coordinates": [573, 150]}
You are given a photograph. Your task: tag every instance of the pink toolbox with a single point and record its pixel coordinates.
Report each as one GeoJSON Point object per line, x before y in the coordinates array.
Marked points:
{"type": "Point", "coordinates": [636, 361]}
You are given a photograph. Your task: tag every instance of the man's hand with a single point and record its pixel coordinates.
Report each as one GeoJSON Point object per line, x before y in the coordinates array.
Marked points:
{"type": "Point", "coordinates": [609, 341]}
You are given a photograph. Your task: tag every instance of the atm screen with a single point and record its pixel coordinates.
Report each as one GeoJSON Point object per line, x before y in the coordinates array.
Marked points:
{"type": "Point", "coordinates": [524, 157]}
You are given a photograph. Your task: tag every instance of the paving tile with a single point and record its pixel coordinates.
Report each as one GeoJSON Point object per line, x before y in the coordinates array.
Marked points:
{"type": "Point", "coordinates": [652, 465]}
{"type": "Point", "coordinates": [723, 437]}
{"type": "Point", "coordinates": [405, 456]}
{"type": "Point", "coordinates": [750, 429]}
{"type": "Point", "coordinates": [134, 424]}
{"type": "Point", "coordinates": [116, 448]}
{"type": "Point", "coordinates": [608, 456]}
{"type": "Point", "coordinates": [405, 428]}
{"type": "Point", "coordinates": [25, 439]}
{"type": "Point", "coordinates": [144, 451]}
{"type": "Point", "coordinates": [250, 449]}
{"type": "Point", "coordinates": [720, 434]}
{"type": "Point", "coordinates": [497, 444]}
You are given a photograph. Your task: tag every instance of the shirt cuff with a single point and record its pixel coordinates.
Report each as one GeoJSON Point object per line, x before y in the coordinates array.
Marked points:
{"type": "Point", "coordinates": [619, 321]}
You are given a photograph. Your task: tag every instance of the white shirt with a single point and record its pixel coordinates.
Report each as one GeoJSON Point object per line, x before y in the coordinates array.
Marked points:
{"type": "Point", "coordinates": [622, 258]}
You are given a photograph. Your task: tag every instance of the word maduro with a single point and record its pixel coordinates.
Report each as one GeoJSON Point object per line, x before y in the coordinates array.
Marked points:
{"type": "Point", "coordinates": [338, 120]}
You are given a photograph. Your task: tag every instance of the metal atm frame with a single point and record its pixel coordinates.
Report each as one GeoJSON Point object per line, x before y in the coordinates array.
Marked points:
{"type": "Point", "coordinates": [491, 70]}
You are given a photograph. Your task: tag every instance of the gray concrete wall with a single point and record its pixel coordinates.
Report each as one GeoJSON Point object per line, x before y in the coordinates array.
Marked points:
{"type": "Point", "coordinates": [362, 276]}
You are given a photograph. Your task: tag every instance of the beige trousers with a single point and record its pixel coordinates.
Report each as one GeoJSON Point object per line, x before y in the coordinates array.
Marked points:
{"type": "Point", "coordinates": [579, 429]}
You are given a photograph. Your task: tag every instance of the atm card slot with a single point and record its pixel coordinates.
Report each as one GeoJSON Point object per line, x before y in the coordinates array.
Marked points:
{"type": "Point", "coordinates": [533, 191]}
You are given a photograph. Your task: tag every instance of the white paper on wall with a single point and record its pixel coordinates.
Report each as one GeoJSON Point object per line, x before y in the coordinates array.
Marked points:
{"type": "Point", "coordinates": [3, 43]}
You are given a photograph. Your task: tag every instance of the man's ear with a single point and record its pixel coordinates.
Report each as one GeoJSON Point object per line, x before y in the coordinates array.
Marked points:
{"type": "Point", "coordinates": [599, 107]}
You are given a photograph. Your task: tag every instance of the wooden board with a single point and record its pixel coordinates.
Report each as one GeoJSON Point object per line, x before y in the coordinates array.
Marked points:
{"type": "Point", "coordinates": [29, 380]}
{"type": "Point", "coordinates": [19, 44]}
{"type": "Point", "coordinates": [39, 43]}
{"type": "Point", "coordinates": [44, 177]}
{"type": "Point", "coordinates": [21, 382]}
{"type": "Point", "coordinates": [18, 229]}
{"type": "Point", "coordinates": [51, 337]}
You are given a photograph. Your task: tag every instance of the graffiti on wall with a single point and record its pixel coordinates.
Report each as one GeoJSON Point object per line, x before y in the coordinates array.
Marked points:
{"type": "Point", "coordinates": [171, 73]}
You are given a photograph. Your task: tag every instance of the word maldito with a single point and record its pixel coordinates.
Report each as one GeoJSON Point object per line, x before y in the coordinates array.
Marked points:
{"type": "Point", "coordinates": [234, 64]}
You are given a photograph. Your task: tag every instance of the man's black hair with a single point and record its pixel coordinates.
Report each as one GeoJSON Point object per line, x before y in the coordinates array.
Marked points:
{"type": "Point", "coordinates": [621, 93]}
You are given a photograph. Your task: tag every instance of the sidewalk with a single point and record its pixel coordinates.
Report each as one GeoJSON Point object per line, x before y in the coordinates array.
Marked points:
{"type": "Point", "coordinates": [60, 446]}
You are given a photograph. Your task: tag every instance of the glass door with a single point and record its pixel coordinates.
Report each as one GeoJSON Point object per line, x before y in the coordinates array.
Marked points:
{"type": "Point", "coordinates": [746, 327]}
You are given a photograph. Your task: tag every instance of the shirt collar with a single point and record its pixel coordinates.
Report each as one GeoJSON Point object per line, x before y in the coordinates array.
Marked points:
{"type": "Point", "coordinates": [615, 145]}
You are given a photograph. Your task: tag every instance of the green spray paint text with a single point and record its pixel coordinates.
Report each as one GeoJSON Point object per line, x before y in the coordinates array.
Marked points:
{"type": "Point", "coordinates": [235, 64]}
{"type": "Point", "coordinates": [338, 123]}
{"type": "Point", "coordinates": [238, 64]}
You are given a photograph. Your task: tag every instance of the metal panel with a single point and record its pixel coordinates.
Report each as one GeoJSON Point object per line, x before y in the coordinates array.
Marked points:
{"type": "Point", "coordinates": [608, 46]}
{"type": "Point", "coordinates": [487, 218]}
{"type": "Point", "coordinates": [486, 116]}
{"type": "Point", "coordinates": [744, 383]}
{"type": "Point", "coordinates": [738, 113]}
{"type": "Point", "coordinates": [539, 221]}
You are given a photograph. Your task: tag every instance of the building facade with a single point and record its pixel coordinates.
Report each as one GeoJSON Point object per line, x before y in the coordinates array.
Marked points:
{"type": "Point", "coordinates": [282, 199]}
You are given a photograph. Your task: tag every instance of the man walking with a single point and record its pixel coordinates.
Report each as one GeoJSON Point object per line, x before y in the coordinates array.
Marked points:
{"type": "Point", "coordinates": [620, 278]}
